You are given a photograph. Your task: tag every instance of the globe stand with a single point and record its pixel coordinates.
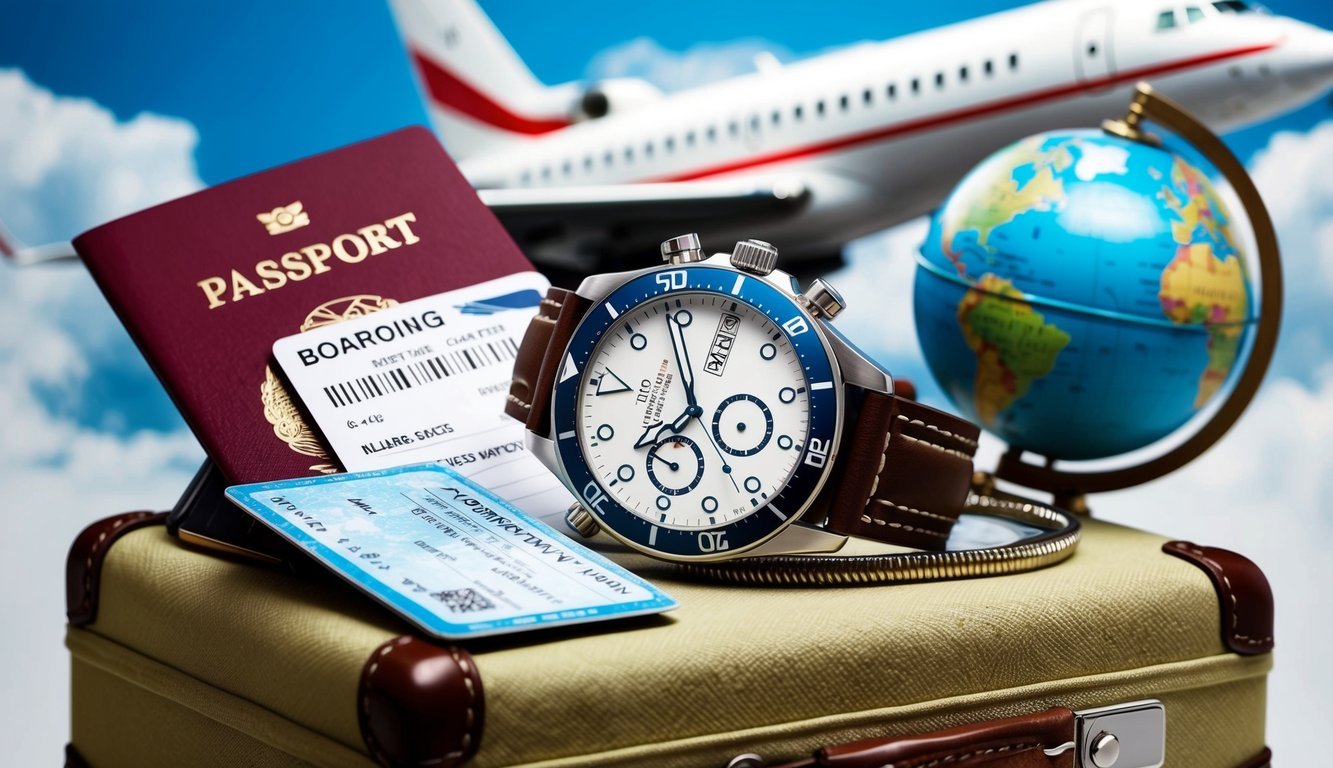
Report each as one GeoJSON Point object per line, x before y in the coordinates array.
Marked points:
{"type": "Point", "coordinates": [1070, 487]}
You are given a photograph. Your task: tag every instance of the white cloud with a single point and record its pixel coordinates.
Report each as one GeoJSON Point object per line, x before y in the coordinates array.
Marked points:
{"type": "Point", "coordinates": [877, 285]}
{"type": "Point", "coordinates": [1294, 174]}
{"type": "Point", "coordinates": [69, 164]}
{"type": "Point", "coordinates": [69, 455]}
{"type": "Point", "coordinates": [669, 70]}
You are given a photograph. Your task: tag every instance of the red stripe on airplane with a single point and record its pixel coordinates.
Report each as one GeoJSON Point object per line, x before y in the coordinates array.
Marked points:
{"type": "Point", "coordinates": [6, 249]}
{"type": "Point", "coordinates": [946, 118]}
{"type": "Point", "coordinates": [447, 89]}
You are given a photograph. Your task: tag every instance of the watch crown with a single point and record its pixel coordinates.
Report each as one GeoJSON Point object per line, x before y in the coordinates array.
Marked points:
{"type": "Point", "coordinates": [822, 299]}
{"type": "Point", "coordinates": [581, 520]}
{"type": "Point", "coordinates": [682, 249]}
{"type": "Point", "coordinates": [754, 256]}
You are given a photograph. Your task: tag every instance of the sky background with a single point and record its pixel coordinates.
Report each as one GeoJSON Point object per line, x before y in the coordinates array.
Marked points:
{"type": "Point", "coordinates": [109, 108]}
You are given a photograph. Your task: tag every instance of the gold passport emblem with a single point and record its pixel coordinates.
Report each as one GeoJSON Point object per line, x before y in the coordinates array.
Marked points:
{"type": "Point", "coordinates": [279, 409]}
{"type": "Point", "coordinates": [284, 218]}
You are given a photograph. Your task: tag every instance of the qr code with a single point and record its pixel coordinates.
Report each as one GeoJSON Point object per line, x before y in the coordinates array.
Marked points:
{"type": "Point", "coordinates": [465, 600]}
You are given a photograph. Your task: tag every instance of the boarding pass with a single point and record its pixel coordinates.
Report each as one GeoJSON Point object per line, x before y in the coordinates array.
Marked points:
{"type": "Point", "coordinates": [426, 381]}
{"type": "Point", "coordinates": [445, 553]}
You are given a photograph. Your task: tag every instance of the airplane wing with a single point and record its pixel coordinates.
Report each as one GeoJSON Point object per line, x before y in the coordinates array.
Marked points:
{"type": "Point", "coordinates": [21, 255]}
{"type": "Point", "coordinates": [582, 227]}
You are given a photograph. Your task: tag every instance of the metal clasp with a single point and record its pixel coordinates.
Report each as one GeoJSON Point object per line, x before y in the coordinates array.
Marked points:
{"type": "Point", "coordinates": [1129, 735]}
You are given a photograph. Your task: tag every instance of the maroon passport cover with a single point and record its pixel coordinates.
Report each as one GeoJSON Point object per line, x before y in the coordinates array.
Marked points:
{"type": "Point", "coordinates": [206, 283]}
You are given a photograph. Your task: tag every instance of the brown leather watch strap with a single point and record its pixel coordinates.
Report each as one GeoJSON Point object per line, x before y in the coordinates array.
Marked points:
{"type": "Point", "coordinates": [539, 356]}
{"type": "Point", "coordinates": [906, 470]}
{"type": "Point", "coordinates": [1016, 742]}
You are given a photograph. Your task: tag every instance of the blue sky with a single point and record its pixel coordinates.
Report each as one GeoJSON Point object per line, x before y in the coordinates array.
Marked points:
{"type": "Point", "coordinates": [110, 107]}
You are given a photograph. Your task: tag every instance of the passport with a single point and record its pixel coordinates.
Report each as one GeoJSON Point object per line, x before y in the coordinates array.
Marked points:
{"type": "Point", "coordinates": [206, 283]}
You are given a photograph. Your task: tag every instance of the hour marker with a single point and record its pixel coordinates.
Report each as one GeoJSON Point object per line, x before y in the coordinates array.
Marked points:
{"type": "Point", "coordinates": [638, 340]}
{"type": "Point", "coordinates": [752, 484]}
{"type": "Point", "coordinates": [818, 385]}
{"type": "Point", "coordinates": [610, 384]}
{"type": "Point", "coordinates": [566, 435]}
{"type": "Point", "coordinates": [570, 370]}
{"type": "Point", "coordinates": [736, 289]}
{"type": "Point", "coordinates": [787, 394]}
{"type": "Point", "coordinates": [768, 351]}
{"type": "Point", "coordinates": [610, 310]}
{"type": "Point", "coordinates": [777, 512]}
{"type": "Point", "coordinates": [709, 504]}
{"type": "Point", "coordinates": [712, 521]}
{"type": "Point", "coordinates": [605, 432]}
{"type": "Point", "coordinates": [784, 442]}
{"type": "Point", "coordinates": [625, 473]}
{"type": "Point", "coordinates": [664, 503]}
{"type": "Point", "coordinates": [652, 534]}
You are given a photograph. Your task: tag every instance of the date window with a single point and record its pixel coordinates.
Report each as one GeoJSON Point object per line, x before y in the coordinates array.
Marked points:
{"type": "Point", "coordinates": [723, 341]}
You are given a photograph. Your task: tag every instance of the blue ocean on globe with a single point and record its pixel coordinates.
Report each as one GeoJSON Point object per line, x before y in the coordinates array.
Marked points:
{"type": "Point", "coordinates": [1081, 295]}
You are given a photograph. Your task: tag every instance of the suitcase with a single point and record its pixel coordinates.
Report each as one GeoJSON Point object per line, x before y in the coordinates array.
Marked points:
{"type": "Point", "coordinates": [186, 658]}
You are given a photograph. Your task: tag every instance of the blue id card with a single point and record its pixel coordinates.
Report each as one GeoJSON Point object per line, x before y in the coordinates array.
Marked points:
{"type": "Point", "coordinates": [446, 554]}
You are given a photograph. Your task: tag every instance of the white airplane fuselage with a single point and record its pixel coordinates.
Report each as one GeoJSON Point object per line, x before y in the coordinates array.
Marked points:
{"type": "Point", "coordinates": [880, 132]}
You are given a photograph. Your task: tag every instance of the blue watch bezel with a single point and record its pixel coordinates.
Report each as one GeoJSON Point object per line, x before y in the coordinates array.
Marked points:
{"type": "Point", "coordinates": [806, 480]}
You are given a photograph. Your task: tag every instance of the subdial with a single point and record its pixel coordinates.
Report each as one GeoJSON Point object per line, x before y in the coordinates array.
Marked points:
{"type": "Point", "coordinates": [675, 465]}
{"type": "Point", "coordinates": [742, 425]}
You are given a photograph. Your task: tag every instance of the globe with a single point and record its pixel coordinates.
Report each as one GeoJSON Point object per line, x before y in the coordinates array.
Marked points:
{"type": "Point", "coordinates": [1081, 295]}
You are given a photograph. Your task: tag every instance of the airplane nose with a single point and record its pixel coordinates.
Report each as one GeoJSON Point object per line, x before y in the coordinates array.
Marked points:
{"type": "Point", "coordinates": [1307, 60]}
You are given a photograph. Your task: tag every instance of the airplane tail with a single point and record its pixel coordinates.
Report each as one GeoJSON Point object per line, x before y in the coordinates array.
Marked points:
{"type": "Point", "coordinates": [479, 92]}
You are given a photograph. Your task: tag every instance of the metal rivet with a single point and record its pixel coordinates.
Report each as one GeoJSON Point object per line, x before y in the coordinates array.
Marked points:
{"type": "Point", "coordinates": [1105, 750]}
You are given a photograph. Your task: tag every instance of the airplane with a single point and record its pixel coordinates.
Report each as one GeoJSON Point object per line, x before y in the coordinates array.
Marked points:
{"type": "Point", "coordinates": [830, 148]}
{"type": "Point", "coordinates": [833, 147]}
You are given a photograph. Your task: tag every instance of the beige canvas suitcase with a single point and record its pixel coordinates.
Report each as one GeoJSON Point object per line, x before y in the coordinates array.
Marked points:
{"type": "Point", "coordinates": [182, 658]}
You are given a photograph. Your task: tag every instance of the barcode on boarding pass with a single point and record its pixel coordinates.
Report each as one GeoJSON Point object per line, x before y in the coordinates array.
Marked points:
{"type": "Point", "coordinates": [420, 372]}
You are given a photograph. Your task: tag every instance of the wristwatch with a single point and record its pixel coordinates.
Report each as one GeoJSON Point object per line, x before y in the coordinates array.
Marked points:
{"type": "Point", "coordinates": [706, 408]}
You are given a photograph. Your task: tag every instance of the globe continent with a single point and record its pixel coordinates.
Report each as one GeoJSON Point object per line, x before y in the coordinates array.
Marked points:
{"type": "Point", "coordinates": [1081, 295]}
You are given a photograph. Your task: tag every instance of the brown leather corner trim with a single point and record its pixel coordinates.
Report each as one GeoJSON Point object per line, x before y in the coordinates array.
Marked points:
{"type": "Point", "coordinates": [1243, 593]}
{"type": "Point", "coordinates": [83, 566]}
{"type": "Point", "coordinates": [1262, 760]}
{"type": "Point", "coordinates": [1015, 742]}
{"type": "Point", "coordinates": [420, 704]}
{"type": "Point", "coordinates": [73, 759]}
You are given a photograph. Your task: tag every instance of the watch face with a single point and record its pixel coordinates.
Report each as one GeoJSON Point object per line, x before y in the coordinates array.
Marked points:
{"type": "Point", "coordinates": [696, 412]}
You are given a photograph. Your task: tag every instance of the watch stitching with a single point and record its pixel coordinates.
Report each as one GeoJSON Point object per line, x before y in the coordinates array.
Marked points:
{"type": "Point", "coordinates": [914, 511]}
{"type": "Point", "coordinates": [965, 441]}
{"type": "Point", "coordinates": [517, 401]}
{"type": "Point", "coordinates": [903, 527]}
{"type": "Point", "coordinates": [1233, 597]}
{"type": "Point", "coordinates": [544, 319]}
{"type": "Point", "coordinates": [938, 447]}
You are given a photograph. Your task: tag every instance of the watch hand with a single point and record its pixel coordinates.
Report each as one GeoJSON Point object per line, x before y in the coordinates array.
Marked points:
{"type": "Point", "coordinates": [682, 354]}
{"type": "Point", "coordinates": [655, 432]}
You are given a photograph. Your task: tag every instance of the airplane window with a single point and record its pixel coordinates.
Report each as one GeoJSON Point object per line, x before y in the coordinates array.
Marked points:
{"type": "Point", "coordinates": [754, 123]}
{"type": "Point", "coordinates": [962, 73]}
{"type": "Point", "coordinates": [844, 102]}
{"type": "Point", "coordinates": [629, 154]}
{"type": "Point", "coordinates": [648, 149]}
{"type": "Point", "coordinates": [868, 96]}
{"type": "Point", "coordinates": [689, 138]}
{"type": "Point", "coordinates": [609, 158]}
{"type": "Point", "coordinates": [1013, 61]}
{"type": "Point", "coordinates": [893, 91]}
{"type": "Point", "coordinates": [733, 128]}
{"type": "Point", "coordinates": [587, 163]}
{"type": "Point", "coordinates": [1194, 14]}
{"type": "Point", "coordinates": [711, 133]}
{"type": "Point", "coordinates": [916, 85]}
{"type": "Point", "coordinates": [1166, 20]}
{"type": "Point", "coordinates": [939, 79]}
{"type": "Point", "coordinates": [1233, 6]}
{"type": "Point", "coordinates": [567, 168]}
{"type": "Point", "coordinates": [819, 107]}
{"type": "Point", "coordinates": [525, 178]}
{"type": "Point", "coordinates": [797, 112]}
{"type": "Point", "coordinates": [670, 143]}
{"type": "Point", "coordinates": [988, 67]}
{"type": "Point", "coordinates": [546, 172]}
{"type": "Point", "coordinates": [777, 117]}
